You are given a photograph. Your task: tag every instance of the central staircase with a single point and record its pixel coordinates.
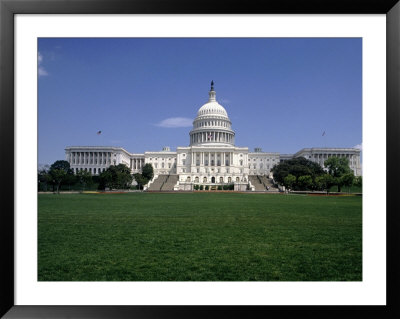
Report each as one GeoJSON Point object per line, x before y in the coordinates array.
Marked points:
{"type": "Point", "coordinates": [163, 183]}
{"type": "Point", "coordinates": [170, 183]}
{"type": "Point", "coordinates": [261, 183]}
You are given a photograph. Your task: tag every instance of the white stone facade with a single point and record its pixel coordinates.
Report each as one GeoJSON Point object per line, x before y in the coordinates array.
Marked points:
{"type": "Point", "coordinates": [210, 159]}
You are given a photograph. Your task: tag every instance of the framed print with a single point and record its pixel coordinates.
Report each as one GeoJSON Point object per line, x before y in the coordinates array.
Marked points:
{"type": "Point", "coordinates": [28, 30]}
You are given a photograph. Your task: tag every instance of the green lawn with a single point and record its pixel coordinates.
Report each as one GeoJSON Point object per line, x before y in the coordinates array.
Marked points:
{"type": "Point", "coordinates": [199, 237]}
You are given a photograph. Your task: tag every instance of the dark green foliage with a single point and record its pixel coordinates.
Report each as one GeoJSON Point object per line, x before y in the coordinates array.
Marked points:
{"type": "Point", "coordinates": [105, 180]}
{"type": "Point", "coordinates": [305, 182]}
{"type": "Point", "coordinates": [44, 179]}
{"type": "Point", "coordinates": [207, 187]}
{"type": "Point", "coordinates": [289, 181]}
{"type": "Point", "coordinates": [337, 167]}
{"type": "Point", "coordinates": [196, 187]}
{"type": "Point", "coordinates": [84, 178]}
{"type": "Point", "coordinates": [199, 237]}
{"type": "Point", "coordinates": [219, 187]}
{"type": "Point", "coordinates": [297, 167]}
{"type": "Point", "coordinates": [347, 180]}
{"type": "Point", "coordinates": [60, 173]}
{"type": "Point", "coordinates": [116, 177]}
{"type": "Point", "coordinates": [147, 171]}
{"type": "Point", "coordinates": [140, 179]}
{"type": "Point", "coordinates": [325, 182]}
{"type": "Point", "coordinates": [201, 187]}
{"type": "Point", "coordinates": [358, 181]}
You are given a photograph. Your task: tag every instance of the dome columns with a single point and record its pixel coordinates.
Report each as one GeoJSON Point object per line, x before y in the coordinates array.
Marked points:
{"type": "Point", "coordinates": [205, 137]}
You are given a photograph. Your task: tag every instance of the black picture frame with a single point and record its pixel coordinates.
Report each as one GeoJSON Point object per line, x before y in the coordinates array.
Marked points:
{"type": "Point", "coordinates": [8, 8]}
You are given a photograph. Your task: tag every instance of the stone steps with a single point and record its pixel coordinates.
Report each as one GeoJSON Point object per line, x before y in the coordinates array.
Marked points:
{"type": "Point", "coordinates": [158, 183]}
{"type": "Point", "coordinates": [170, 183]}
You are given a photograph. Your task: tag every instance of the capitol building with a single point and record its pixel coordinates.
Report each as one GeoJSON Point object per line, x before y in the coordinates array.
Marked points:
{"type": "Point", "coordinates": [212, 158]}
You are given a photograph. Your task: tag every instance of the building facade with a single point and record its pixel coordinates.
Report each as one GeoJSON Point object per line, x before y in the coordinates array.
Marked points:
{"type": "Point", "coordinates": [212, 158]}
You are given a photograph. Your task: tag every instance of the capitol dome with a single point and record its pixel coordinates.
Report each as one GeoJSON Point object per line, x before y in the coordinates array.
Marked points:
{"type": "Point", "coordinates": [212, 124]}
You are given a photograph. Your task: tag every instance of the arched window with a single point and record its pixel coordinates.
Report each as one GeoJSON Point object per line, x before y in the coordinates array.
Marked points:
{"type": "Point", "coordinates": [237, 179]}
{"type": "Point", "coordinates": [204, 179]}
{"type": "Point", "coordinates": [229, 179]}
{"type": "Point", "coordinates": [94, 170]}
{"type": "Point", "coordinates": [221, 179]}
{"type": "Point", "coordinates": [188, 179]}
{"type": "Point", "coordinates": [196, 179]}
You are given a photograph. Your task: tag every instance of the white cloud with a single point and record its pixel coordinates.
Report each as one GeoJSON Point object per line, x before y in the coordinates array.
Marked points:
{"type": "Point", "coordinates": [359, 146]}
{"type": "Point", "coordinates": [41, 70]}
{"type": "Point", "coordinates": [173, 122]}
{"type": "Point", "coordinates": [224, 101]}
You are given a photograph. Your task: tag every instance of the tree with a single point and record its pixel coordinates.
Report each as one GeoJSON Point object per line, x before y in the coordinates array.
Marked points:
{"type": "Point", "coordinates": [123, 177]}
{"type": "Point", "coordinates": [147, 171]}
{"type": "Point", "coordinates": [116, 177]}
{"type": "Point", "coordinates": [305, 182]}
{"type": "Point", "coordinates": [347, 180]}
{"type": "Point", "coordinates": [84, 178]}
{"type": "Point", "coordinates": [325, 182]}
{"type": "Point", "coordinates": [60, 172]}
{"type": "Point", "coordinates": [44, 178]}
{"type": "Point", "coordinates": [358, 181]}
{"type": "Point", "coordinates": [105, 179]}
{"type": "Point", "coordinates": [141, 180]}
{"type": "Point", "coordinates": [297, 167]}
{"type": "Point", "coordinates": [289, 181]}
{"type": "Point", "coordinates": [337, 167]}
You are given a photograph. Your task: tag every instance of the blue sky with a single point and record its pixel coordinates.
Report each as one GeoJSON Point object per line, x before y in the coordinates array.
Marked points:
{"type": "Point", "coordinates": [281, 94]}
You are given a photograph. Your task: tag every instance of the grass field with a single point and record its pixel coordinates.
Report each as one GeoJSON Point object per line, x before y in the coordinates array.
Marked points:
{"type": "Point", "coordinates": [199, 237]}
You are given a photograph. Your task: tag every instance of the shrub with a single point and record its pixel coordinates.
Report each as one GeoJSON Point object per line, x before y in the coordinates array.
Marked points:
{"type": "Point", "coordinates": [219, 188]}
{"type": "Point", "coordinates": [196, 187]}
{"type": "Point", "coordinates": [201, 187]}
{"type": "Point", "coordinates": [207, 187]}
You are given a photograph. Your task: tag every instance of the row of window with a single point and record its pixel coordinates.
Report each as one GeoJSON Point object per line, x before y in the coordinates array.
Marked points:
{"type": "Point", "coordinates": [99, 162]}
{"type": "Point", "coordinates": [205, 179]}
{"type": "Point", "coordinates": [95, 171]}
{"type": "Point", "coordinates": [212, 163]}
{"type": "Point", "coordinates": [162, 158]}
{"type": "Point", "coordinates": [212, 123]}
{"type": "Point", "coordinates": [260, 166]}
{"type": "Point", "coordinates": [163, 165]}
{"type": "Point", "coordinates": [262, 159]}
{"type": "Point", "coordinates": [207, 170]}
